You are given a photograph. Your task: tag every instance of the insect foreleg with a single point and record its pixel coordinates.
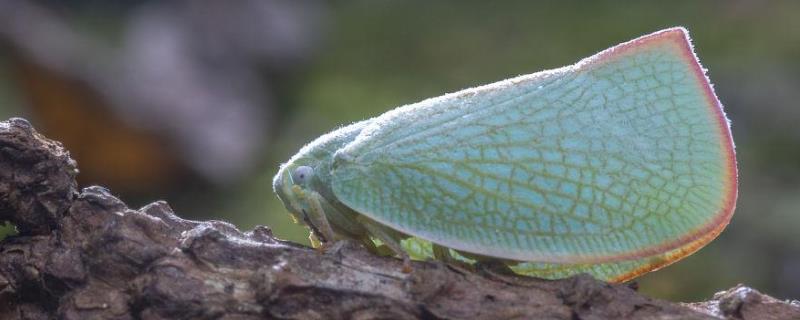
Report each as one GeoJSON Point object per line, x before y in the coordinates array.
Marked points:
{"type": "Point", "coordinates": [317, 218]}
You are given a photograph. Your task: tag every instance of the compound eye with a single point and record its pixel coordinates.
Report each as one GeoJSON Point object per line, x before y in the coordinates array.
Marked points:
{"type": "Point", "coordinates": [302, 174]}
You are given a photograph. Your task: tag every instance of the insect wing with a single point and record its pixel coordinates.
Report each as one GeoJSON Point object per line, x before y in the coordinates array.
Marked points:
{"type": "Point", "coordinates": [622, 156]}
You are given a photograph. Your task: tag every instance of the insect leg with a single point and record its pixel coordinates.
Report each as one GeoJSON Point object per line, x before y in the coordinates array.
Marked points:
{"type": "Point", "coordinates": [317, 218]}
{"type": "Point", "coordinates": [382, 250]}
{"type": "Point", "coordinates": [388, 239]}
{"type": "Point", "coordinates": [442, 253]}
{"type": "Point", "coordinates": [315, 243]}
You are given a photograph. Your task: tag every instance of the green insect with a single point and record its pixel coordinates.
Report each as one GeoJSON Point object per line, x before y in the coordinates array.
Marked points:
{"type": "Point", "coordinates": [617, 165]}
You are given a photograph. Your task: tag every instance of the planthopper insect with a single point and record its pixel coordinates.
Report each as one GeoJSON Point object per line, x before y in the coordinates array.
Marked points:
{"type": "Point", "coordinates": [615, 166]}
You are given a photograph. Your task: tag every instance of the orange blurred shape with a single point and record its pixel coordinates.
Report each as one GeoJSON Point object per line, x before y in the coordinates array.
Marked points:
{"type": "Point", "coordinates": [109, 151]}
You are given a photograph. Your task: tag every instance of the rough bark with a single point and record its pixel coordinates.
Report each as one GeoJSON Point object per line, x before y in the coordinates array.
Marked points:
{"type": "Point", "coordinates": [86, 255]}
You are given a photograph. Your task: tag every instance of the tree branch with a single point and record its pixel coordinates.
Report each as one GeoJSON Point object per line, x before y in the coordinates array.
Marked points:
{"type": "Point", "coordinates": [86, 255]}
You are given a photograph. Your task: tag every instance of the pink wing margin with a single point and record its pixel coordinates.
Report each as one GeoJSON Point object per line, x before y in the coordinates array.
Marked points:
{"type": "Point", "coordinates": [678, 38]}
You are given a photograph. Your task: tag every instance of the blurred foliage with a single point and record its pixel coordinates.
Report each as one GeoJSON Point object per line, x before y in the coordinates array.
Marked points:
{"type": "Point", "coordinates": [9, 100]}
{"type": "Point", "coordinates": [7, 229]}
{"type": "Point", "coordinates": [378, 55]}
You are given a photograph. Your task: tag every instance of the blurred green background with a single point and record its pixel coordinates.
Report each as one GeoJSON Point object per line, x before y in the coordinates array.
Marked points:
{"type": "Point", "coordinates": [197, 103]}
